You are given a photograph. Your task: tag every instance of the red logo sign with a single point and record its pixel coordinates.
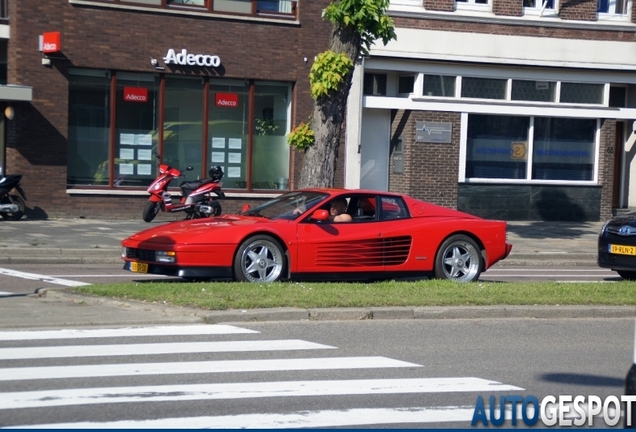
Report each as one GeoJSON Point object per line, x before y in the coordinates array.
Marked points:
{"type": "Point", "coordinates": [227, 100]}
{"type": "Point", "coordinates": [51, 42]}
{"type": "Point", "coordinates": [135, 94]}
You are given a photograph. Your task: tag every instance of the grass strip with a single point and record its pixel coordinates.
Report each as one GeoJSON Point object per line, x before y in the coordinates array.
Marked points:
{"type": "Point", "coordinates": [236, 295]}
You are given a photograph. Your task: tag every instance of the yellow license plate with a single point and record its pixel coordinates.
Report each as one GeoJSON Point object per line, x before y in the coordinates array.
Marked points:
{"type": "Point", "coordinates": [622, 250]}
{"type": "Point", "coordinates": [138, 267]}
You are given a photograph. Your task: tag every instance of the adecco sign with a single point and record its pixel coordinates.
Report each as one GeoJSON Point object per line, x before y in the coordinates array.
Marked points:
{"type": "Point", "coordinates": [185, 59]}
{"type": "Point", "coordinates": [135, 94]}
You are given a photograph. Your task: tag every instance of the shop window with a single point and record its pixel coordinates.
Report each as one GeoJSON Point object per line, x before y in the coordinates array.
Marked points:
{"type": "Point", "coordinates": [581, 93]}
{"type": "Point", "coordinates": [228, 130]}
{"type": "Point", "coordinates": [536, 91]}
{"type": "Point", "coordinates": [439, 85]}
{"type": "Point", "coordinates": [136, 129]}
{"type": "Point", "coordinates": [563, 149]}
{"type": "Point", "coordinates": [183, 125]}
{"type": "Point", "coordinates": [496, 147]}
{"type": "Point", "coordinates": [484, 88]}
{"type": "Point", "coordinates": [374, 84]}
{"type": "Point", "coordinates": [88, 127]}
{"type": "Point", "coordinates": [270, 151]}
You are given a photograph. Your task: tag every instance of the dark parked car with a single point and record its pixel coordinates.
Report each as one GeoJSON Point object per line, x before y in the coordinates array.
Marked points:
{"type": "Point", "coordinates": [617, 245]}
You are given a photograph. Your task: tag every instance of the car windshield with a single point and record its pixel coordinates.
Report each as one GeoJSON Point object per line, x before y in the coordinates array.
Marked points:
{"type": "Point", "coordinates": [289, 206]}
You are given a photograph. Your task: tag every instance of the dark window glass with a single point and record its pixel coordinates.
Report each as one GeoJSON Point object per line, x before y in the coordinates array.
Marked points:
{"type": "Point", "coordinates": [484, 88]}
{"type": "Point", "coordinates": [439, 85]}
{"type": "Point", "coordinates": [374, 84]}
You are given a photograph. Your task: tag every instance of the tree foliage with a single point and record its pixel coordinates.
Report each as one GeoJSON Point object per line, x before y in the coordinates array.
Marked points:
{"type": "Point", "coordinates": [356, 25]}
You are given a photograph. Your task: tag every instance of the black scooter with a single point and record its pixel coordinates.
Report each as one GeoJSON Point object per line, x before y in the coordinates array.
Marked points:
{"type": "Point", "coordinates": [12, 207]}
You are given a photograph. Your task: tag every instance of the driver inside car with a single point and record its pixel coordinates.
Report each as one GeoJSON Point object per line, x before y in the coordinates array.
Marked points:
{"type": "Point", "coordinates": [338, 211]}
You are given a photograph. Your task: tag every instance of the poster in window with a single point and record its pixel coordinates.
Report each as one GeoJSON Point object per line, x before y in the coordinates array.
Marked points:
{"type": "Point", "coordinates": [126, 153]}
{"type": "Point", "coordinates": [234, 172]}
{"type": "Point", "coordinates": [234, 143]}
{"type": "Point", "coordinates": [218, 157]}
{"type": "Point", "coordinates": [234, 157]}
{"type": "Point", "coordinates": [127, 139]}
{"type": "Point", "coordinates": [144, 139]}
{"type": "Point", "coordinates": [126, 169]}
{"type": "Point", "coordinates": [144, 154]}
{"type": "Point", "coordinates": [144, 169]}
{"type": "Point", "coordinates": [218, 142]}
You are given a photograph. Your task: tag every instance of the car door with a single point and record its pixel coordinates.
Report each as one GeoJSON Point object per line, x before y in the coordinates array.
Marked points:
{"type": "Point", "coordinates": [344, 247]}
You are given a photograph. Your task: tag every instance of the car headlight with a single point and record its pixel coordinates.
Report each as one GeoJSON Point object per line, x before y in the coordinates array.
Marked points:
{"type": "Point", "coordinates": [165, 256]}
{"type": "Point", "coordinates": [123, 252]}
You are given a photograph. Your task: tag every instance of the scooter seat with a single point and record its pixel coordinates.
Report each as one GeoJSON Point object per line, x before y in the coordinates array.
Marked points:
{"type": "Point", "coordinates": [187, 187]}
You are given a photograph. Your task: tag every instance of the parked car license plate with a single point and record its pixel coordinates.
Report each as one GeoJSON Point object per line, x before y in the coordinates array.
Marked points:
{"type": "Point", "coordinates": [138, 267]}
{"type": "Point", "coordinates": [621, 250]}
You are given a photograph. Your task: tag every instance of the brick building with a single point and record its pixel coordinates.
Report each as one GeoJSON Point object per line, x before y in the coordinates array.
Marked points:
{"type": "Point", "coordinates": [109, 83]}
{"type": "Point", "coordinates": [510, 109]}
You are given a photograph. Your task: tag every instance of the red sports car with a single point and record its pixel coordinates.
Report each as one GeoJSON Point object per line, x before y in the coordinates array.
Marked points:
{"type": "Point", "coordinates": [294, 236]}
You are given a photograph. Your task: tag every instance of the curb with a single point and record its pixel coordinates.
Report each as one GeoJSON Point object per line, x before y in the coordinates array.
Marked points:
{"type": "Point", "coordinates": [357, 314]}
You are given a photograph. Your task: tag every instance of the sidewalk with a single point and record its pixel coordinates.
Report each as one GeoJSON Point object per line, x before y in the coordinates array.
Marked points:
{"type": "Point", "coordinates": [76, 241]}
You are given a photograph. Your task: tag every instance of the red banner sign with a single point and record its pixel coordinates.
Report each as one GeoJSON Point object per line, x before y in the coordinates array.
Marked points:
{"type": "Point", "coordinates": [51, 42]}
{"type": "Point", "coordinates": [135, 94]}
{"type": "Point", "coordinates": [227, 100]}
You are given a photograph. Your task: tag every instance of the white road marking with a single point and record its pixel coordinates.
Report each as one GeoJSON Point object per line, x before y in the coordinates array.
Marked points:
{"type": "Point", "coordinates": [138, 369]}
{"type": "Point", "coordinates": [43, 278]}
{"type": "Point", "coordinates": [92, 396]}
{"type": "Point", "coordinates": [182, 330]}
{"type": "Point", "coordinates": [156, 348]}
{"type": "Point", "coordinates": [302, 419]}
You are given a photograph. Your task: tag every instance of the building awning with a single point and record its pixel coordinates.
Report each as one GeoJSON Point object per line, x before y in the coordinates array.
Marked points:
{"type": "Point", "coordinates": [16, 93]}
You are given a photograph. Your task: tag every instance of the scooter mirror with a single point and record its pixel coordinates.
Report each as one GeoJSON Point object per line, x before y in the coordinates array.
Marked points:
{"type": "Point", "coordinates": [189, 168]}
{"type": "Point", "coordinates": [245, 208]}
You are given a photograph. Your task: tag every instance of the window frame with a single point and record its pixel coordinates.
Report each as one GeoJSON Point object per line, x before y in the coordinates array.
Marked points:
{"type": "Point", "coordinates": [539, 11]}
{"type": "Point", "coordinates": [611, 14]}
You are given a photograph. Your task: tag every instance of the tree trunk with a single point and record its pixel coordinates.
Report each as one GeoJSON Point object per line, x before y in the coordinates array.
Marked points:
{"type": "Point", "coordinates": [320, 161]}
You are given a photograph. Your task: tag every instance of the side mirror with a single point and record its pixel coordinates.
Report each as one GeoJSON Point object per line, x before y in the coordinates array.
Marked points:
{"type": "Point", "coordinates": [320, 215]}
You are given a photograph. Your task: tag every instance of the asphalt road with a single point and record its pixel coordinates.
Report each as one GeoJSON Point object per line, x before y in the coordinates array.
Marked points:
{"type": "Point", "coordinates": [417, 373]}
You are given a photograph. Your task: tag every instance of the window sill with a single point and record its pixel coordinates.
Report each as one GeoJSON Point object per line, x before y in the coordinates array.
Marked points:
{"type": "Point", "coordinates": [134, 192]}
{"type": "Point", "coordinates": [188, 12]}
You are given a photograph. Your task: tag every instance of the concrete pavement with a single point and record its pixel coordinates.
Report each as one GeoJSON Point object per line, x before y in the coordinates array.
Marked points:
{"type": "Point", "coordinates": [66, 241]}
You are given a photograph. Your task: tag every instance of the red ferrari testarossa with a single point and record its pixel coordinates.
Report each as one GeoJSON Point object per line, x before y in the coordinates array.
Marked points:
{"type": "Point", "coordinates": [293, 237]}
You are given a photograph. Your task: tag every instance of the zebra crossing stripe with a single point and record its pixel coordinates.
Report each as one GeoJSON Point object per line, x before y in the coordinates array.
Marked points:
{"type": "Point", "coordinates": [156, 348]}
{"type": "Point", "coordinates": [302, 419]}
{"type": "Point", "coordinates": [43, 278]}
{"type": "Point", "coordinates": [226, 391]}
{"type": "Point", "coordinates": [182, 330]}
{"type": "Point", "coordinates": [139, 369]}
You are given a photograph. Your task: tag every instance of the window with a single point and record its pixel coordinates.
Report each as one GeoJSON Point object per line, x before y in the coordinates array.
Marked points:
{"type": "Point", "coordinates": [374, 84]}
{"type": "Point", "coordinates": [473, 2]}
{"type": "Point", "coordinates": [88, 125]}
{"type": "Point", "coordinates": [439, 85]}
{"type": "Point", "coordinates": [484, 88]}
{"type": "Point", "coordinates": [612, 7]}
{"type": "Point", "coordinates": [251, 159]}
{"type": "Point", "coordinates": [284, 9]}
{"type": "Point", "coordinates": [540, 7]}
{"type": "Point", "coordinates": [581, 93]}
{"type": "Point", "coordinates": [405, 84]}
{"type": "Point", "coordinates": [537, 91]}
{"type": "Point", "coordinates": [562, 149]}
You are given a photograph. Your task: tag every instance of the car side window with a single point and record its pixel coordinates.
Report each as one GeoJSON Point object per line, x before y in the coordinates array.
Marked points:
{"type": "Point", "coordinates": [392, 208]}
{"type": "Point", "coordinates": [362, 208]}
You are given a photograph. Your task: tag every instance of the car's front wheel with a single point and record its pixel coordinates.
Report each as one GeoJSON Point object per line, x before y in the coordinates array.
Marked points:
{"type": "Point", "coordinates": [259, 259]}
{"type": "Point", "coordinates": [458, 259]}
{"type": "Point", "coordinates": [627, 275]}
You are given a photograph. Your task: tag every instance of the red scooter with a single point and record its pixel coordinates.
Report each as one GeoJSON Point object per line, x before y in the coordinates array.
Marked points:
{"type": "Point", "coordinates": [196, 200]}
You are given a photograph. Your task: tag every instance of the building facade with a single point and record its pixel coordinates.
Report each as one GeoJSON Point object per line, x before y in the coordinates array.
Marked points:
{"type": "Point", "coordinates": [118, 85]}
{"type": "Point", "coordinates": [507, 109]}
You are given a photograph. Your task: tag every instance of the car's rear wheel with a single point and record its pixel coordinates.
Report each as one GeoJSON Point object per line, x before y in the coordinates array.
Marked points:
{"type": "Point", "coordinates": [628, 275]}
{"type": "Point", "coordinates": [458, 259]}
{"type": "Point", "coordinates": [259, 259]}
